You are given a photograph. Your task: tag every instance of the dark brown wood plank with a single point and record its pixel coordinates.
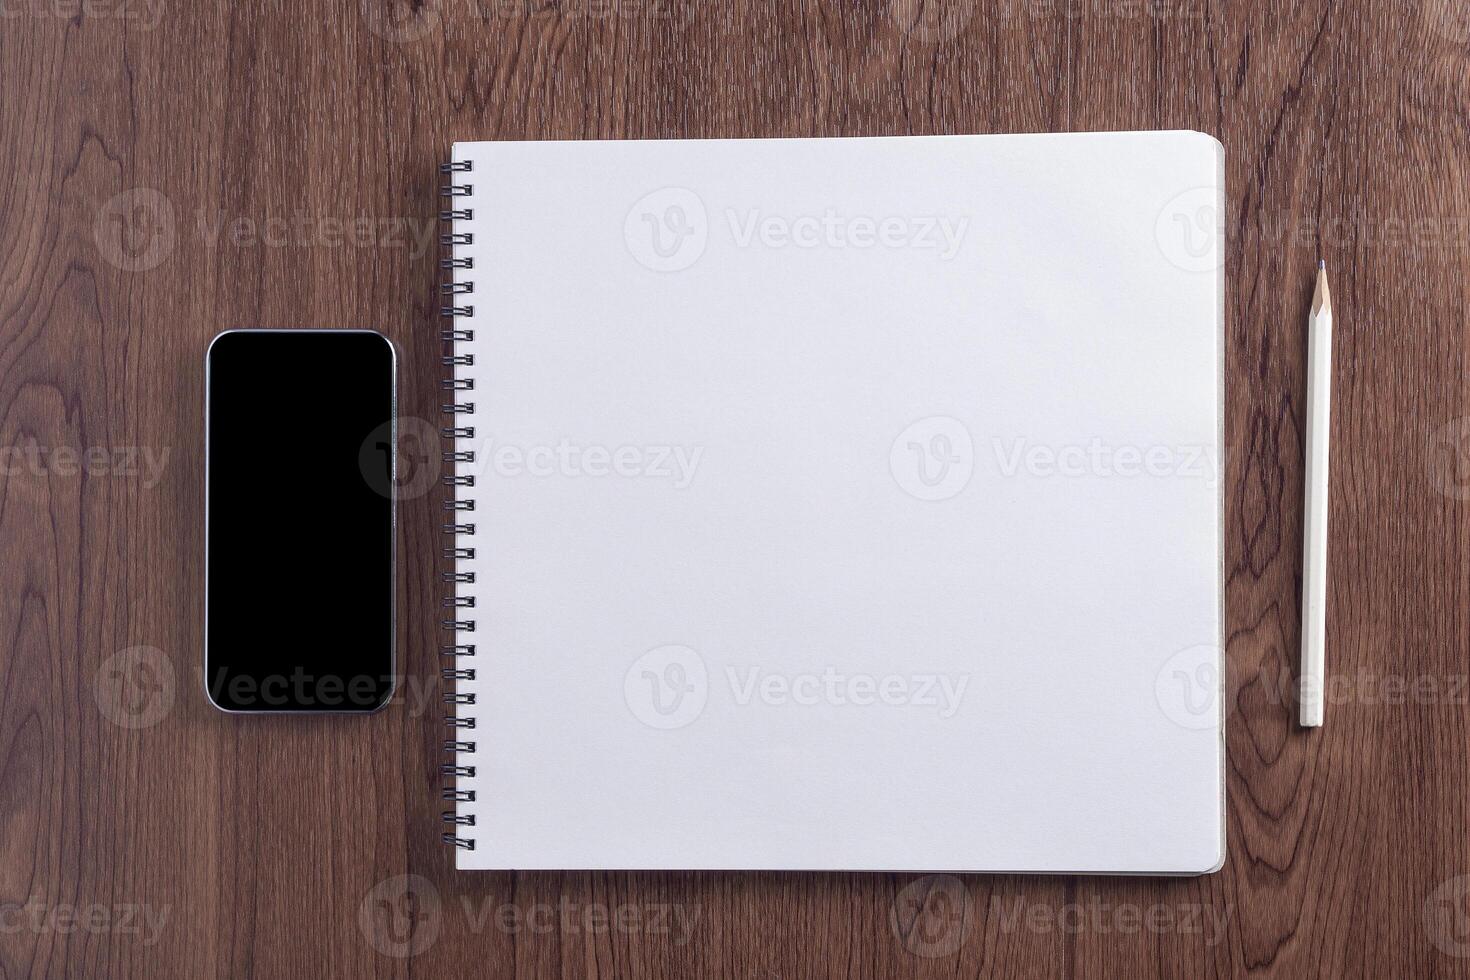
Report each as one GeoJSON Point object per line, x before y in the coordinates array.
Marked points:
{"type": "Point", "coordinates": [173, 170]}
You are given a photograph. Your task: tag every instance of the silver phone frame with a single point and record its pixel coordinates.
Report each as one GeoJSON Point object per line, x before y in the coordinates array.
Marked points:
{"type": "Point", "coordinates": [392, 689]}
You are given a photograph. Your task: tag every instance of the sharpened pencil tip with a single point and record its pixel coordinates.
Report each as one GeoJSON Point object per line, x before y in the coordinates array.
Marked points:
{"type": "Point", "coordinates": [1321, 263]}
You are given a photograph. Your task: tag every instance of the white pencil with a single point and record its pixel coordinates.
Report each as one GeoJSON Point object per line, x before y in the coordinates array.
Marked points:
{"type": "Point", "coordinates": [1314, 532]}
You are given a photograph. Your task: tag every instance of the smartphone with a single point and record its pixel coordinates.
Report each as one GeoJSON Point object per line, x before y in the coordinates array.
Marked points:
{"type": "Point", "coordinates": [300, 436]}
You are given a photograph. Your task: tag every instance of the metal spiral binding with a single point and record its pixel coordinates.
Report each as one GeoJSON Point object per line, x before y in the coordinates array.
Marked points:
{"type": "Point", "coordinates": [460, 505]}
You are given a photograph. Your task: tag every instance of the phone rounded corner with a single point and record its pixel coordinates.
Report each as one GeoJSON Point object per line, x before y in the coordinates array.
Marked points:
{"type": "Point", "coordinates": [210, 699]}
{"type": "Point", "coordinates": [209, 348]}
{"type": "Point", "coordinates": [389, 693]}
{"type": "Point", "coordinates": [393, 357]}
{"type": "Point", "coordinates": [380, 335]}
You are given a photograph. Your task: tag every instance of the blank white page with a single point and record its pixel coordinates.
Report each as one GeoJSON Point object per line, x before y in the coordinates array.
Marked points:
{"type": "Point", "coordinates": [844, 503]}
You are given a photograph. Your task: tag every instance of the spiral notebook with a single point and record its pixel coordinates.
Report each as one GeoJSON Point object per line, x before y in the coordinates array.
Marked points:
{"type": "Point", "coordinates": [841, 504]}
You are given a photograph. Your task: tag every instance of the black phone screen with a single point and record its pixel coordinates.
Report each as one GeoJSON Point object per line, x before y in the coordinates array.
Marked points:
{"type": "Point", "coordinates": [299, 465]}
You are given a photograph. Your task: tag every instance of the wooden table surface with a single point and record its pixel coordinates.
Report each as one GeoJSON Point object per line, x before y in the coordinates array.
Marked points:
{"type": "Point", "coordinates": [172, 169]}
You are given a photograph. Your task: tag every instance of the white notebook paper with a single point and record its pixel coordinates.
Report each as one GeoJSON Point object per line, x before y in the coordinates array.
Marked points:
{"type": "Point", "coordinates": [838, 504]}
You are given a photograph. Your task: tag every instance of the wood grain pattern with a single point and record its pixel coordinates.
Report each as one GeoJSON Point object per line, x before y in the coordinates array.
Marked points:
{"type": "Point", "coordinates": [172, 169]}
